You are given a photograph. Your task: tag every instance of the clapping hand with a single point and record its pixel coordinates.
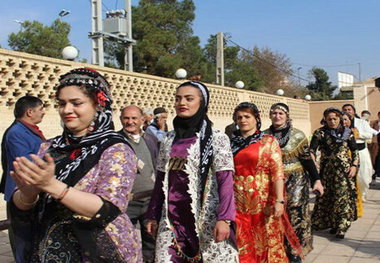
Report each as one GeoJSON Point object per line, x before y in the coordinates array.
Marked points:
{"type": "Point", "coordinates": [39, 173]}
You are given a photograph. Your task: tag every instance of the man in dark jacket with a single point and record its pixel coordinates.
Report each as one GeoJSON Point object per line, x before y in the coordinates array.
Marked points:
{"type": "Point", "coordinates": [22, 138]}
{"type": "Point", "coordinates": [145, 146]}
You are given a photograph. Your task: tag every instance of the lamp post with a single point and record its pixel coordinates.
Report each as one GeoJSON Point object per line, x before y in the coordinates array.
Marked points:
{"type": "Point", "coordinates": [20, 22]}
{"type": "Point", "coordinates": [63, 13]}
{"type": "Point", "coordinates": [308, 97]}
{"type": "Point", "coordinates": [299, 79]}
{"type": "Point", "coordinates": [280, 92]}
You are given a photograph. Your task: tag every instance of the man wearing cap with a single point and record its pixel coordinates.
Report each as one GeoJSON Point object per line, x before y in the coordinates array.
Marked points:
{"type": "Point", "coordinates": [158, 127]}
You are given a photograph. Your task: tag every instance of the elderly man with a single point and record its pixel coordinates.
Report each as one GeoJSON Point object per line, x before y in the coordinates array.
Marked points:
{"type": "Point", "coordinates": [22, 138]}
{"type": "Point", "coordinates": [146, 148]}
{"type": "Point", "coordinates": [365, 133]}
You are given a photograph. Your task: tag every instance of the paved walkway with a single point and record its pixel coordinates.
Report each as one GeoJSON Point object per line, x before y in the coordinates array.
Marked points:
{"type": "Point", "coordinates": [361, 244]}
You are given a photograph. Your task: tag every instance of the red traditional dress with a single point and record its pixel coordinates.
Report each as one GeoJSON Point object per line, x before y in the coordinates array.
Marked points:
{"type": "Point", "coordinates": [260, 236]}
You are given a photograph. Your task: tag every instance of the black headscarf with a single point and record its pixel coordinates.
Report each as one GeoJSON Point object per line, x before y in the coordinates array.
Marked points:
{"type": "Point", "coordinates": [199, 122]}
{"type": "Point", "coordinates": [75, 156]}
{"type": "Point", "coordinates": [341, 133]}
{"type": "Point", "coordinates": [238, 142]}
{"type": "Point", "coordinates": [282, 134]}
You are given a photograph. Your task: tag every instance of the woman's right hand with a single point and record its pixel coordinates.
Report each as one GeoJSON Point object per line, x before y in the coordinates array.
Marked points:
{"type": "Point", "coordinates": [29, 191]}
{"type": "Point", "coordinates": [151, 227]}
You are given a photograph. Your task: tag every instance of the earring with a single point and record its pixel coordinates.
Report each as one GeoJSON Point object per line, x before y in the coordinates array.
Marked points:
{"type": "Point", "coordinates": [91, 128]}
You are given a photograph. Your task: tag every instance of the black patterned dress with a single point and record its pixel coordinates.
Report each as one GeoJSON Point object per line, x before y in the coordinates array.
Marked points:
{"type": "Point", "coordinates": [337, 207]}
{"type": "Point", "coordinates": [299, 170]}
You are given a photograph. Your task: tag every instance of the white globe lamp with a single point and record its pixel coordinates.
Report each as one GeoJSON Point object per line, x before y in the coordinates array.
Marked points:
{"type": "Point", "coordinates": [280, 92]}
{"type": "Point", "coordinates": [308, 97]}
{"type": "Point", "coordinates": [69, 53]}
{"type": "Point", "coordinates": [181, 73]}
{"type": "Point", "coordinates": [239, 84]}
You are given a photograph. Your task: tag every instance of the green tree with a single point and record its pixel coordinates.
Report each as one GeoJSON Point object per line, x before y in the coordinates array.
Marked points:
{"type": "Point", "coordinates": [165, 41]}
{"type": "Point", "coordinates": [35, 38]}
{"type": "Point", "coordinates": [321, 88]}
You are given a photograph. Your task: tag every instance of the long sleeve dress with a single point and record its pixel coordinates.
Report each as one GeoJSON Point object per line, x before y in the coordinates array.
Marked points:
{"type": "Point", "coordinates": [183, 224]}
{"type": "Point", "coordinates": [260, 236]}
{"type": "Point", "coordinates": [337, 207]}
{"type": "Point", "coordinates": [57, 230]}
{"type": "Point", "coordinates": [300, 172]}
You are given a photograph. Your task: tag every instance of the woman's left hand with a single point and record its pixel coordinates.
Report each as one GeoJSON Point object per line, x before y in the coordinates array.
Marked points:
{"type": "Point", "coordinates": [278, 209]}
{"type": "Point", "coordinates": [318, 187]}
{"type": "Point", "coordinates": [352, 171]}
{"type": "Point", "coordinates": [39, 173]}
{"type": "Point", "coordinates": [221, 231]}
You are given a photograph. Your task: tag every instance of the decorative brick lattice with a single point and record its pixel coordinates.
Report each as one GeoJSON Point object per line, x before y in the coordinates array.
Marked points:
{"type": "Point", "coordinates": [22, 74]}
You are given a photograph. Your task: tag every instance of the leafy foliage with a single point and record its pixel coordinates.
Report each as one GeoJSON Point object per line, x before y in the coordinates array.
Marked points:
{"type": "Point", "coordinates": [35, 38]}
{"type": "Point", "coordinates": [165, 41]}
{"type": "Point", "coordinates": [321, 88]}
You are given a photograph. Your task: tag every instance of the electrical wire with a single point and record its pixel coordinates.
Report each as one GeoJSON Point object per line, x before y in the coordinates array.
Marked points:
{"type": "Point", "coordinates": [273, 65]}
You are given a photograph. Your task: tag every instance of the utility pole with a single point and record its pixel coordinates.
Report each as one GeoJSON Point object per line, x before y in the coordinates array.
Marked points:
{"type": "Point", "coordinates": [220, 58]}
{"type": "Point", "coordinates": [117, 26]}
{"type": "Point", "coordinates": [128, 58]}
{"type": "Point", "coordinates": [96, 34]}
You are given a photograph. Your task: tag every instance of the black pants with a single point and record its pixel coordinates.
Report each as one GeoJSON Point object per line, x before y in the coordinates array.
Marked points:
{"type": "Point", "coordinates": [136, 212]}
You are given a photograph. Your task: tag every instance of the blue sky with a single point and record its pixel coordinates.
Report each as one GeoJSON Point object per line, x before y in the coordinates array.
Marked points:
{"type": "Point", "coordinates": [333, 34]}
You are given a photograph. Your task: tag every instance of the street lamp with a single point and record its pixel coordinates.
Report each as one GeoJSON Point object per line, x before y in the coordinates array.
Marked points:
{"type": "Point", "coordinates": [63, 13]}
{"type": "Point", "coordinates": [299, 79]}
{"type": "Point", "coordinates": [69, 53]}
{"type": "Point", "coordinates": [280, 92]}
{"type": "Point", "coordinates": [239, 84]}
{"type": "Point", "coordinates": [181, 73]}
{"type": "Point", "coordinates": [308, 97]}
{"type": "Point", "coordinates": [20, 22]}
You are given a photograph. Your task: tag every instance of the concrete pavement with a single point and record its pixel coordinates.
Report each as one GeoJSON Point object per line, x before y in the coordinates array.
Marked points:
{"type": "Point", "coordinates": [361, 243]}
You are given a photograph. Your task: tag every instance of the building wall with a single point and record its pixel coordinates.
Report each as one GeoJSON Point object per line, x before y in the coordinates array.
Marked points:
{"type": "Point", "coordinates": [25, 74]}
{"type": "Point", "coordinates": [373, 101]}
{"type": "Point", "coordinates": [317, 108]}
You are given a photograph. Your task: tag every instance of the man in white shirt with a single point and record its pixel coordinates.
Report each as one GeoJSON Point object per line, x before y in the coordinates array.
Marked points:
{"type": "Point", "coordinates": [365, 133]}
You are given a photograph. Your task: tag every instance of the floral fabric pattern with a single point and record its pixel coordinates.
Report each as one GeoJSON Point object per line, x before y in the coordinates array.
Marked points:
{"type": "Point", "coordinates": [260, 236]}
{"type": "Point", "coordinates": [337, 207]}
{"type": "Point", "coordinates": [205, 217]}
{"type": "Point", "coordinates": [297, 188]}
{"type": "Point", "coordinates": [112, 179]}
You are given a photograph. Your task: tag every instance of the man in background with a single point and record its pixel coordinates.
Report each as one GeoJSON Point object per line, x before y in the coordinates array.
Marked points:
{"type": "Point", "coordinates": [22, 138]}
{"type": "Point", "coordinates": [145, 147]}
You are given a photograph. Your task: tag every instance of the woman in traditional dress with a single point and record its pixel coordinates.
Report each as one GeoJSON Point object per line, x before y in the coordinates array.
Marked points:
{"type": "Point", "coordinates": [193, 201]}
{"type": "Point", "coordinates": [336, 209]}
{"type": "Point", "coordinates": [348, 121]}
{"type": "Point", "coordinates": [76, 190]}
{"type": "Point", "coordinates": [259, 191]}
{"type": "Point", "coordinates": [300, 172]}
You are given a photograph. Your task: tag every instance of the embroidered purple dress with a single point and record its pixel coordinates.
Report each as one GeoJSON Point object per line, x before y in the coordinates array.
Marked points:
{"type": "Point", "coordinates": [183, 217]}
{"type": "Point", "coordinates": [111, 179]}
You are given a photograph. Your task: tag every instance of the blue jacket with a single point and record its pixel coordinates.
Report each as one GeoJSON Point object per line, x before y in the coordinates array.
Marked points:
{"type": "Point", "coordinates": [20, 140]}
